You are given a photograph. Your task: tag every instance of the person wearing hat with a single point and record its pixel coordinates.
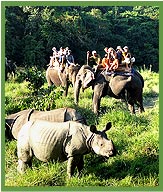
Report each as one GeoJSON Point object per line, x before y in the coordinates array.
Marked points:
{"type": "Point", "coordinates": [126, 52]}
{"type": "Point", "coordinates": [94, 59]}
{"type": "Point", "coordinates": [66, 51]}
{"type": "Point", "coordinates": [69, 59]}
{"type": "Point", "coordinates": [61, 55]}
{"type": "Point", "coordinates": [55, 52]}
{"type": "Point", "coordinates": [53, 58]}
{"type": "Point", "coordinates": [127, 58]}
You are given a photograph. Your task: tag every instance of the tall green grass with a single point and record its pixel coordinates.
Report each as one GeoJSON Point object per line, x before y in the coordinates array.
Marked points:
{"type": "Point", "coordinates": [136, 138]}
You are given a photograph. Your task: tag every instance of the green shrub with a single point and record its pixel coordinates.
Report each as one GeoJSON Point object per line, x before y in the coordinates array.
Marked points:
{"type": "Point", "coordinates": [36, 79]}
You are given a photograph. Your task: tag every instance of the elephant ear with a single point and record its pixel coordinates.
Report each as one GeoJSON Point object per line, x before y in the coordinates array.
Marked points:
{"type": "Point", "coordinates": [87, 78]}
{"type": "Point", "coordinates": [108, 126]}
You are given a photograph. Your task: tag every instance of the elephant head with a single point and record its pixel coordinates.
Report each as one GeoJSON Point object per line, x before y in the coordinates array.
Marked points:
{"type": "Point", "coordinates": [86, 75]}
{"type": "Point", "coordinates": [72, 72]}
{"type": "Point", "coordinates": [84, 79]}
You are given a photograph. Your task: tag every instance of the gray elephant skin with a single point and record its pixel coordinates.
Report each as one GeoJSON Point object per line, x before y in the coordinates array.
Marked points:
{"type": "Point", "coordinates": [128, 87]}
{"type": "Point", "coordinates": [61, 141]}
{"type": "Point", "coordinates": [63, 78]}
{"type": "Point", "coordinates": [15, 121]}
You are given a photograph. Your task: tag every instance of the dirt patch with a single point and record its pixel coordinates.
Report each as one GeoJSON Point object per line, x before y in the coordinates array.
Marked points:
{"type": "Point", "coordinates": [150, 102]}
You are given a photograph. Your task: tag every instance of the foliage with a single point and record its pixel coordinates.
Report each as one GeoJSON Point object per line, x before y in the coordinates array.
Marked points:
{"type": "Point", "coordinates": [136, 138]}
{"type": "Point", "coordinates": [36, 79]}
{"type": "Point", "coordinates": [18, 97]}
{"type": "Point", "coordinates": [32, 31]}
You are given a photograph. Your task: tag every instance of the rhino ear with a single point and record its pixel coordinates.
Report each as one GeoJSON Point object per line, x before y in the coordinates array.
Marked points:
{"type": "Point", "coordinates": [108, 126]}
{"type": "Point", "coordinates": [93, 129]}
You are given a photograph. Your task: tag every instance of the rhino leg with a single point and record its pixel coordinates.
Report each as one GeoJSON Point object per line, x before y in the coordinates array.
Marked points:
{"type": "Point", "coordinates": [21, 166]}
{"type": "Point", "coordinates": [70, 166]}
{"type": "Point", "coordinates": [24, 161]}
{"type": "Point", "coordinates": [74, 162]}
{"type": "Point", "coordinates": [80, 165]}
{"type": "Point", "coordinates": [25, 155]}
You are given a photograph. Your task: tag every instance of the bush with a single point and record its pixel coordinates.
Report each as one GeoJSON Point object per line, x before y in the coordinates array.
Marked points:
{"type": "Point", "coordinates": [36, 79]}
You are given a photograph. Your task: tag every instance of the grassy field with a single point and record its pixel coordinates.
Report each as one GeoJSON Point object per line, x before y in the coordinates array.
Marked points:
{"type": "Point", "coordinates": [136, 138]}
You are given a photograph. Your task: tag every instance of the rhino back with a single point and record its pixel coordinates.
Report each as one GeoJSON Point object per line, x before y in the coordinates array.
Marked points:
{"type": "Point", "coordinates": [47, 139]}
{"type": "Point", "coordinates": [13, 116]}
{"type": "Point", "coordinates": [56, 115]}
{"type": "Point", "coordinates": [74, 115]}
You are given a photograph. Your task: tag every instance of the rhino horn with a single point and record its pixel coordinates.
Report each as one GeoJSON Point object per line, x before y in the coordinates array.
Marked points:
{"type": "Point", "coordinates": [93, 129]}
{"type": "Point", "coordinates": [108, 126]}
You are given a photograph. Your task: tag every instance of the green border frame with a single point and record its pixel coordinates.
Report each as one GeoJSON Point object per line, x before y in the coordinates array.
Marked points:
{"type": "Point", "coordinates": [74, 3]}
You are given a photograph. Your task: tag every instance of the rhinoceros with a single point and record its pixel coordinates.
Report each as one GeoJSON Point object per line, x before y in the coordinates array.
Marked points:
{"type": "Point", "coordinates": [61, 141]}
{"type": "Point", "coordinates": [15, 121]}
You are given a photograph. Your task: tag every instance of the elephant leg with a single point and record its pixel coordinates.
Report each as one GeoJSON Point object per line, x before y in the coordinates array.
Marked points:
{"type": "Point", "coordinates": [97, 95]}
{"type": "Point", "coordinates": [131, 102]}
{"type": "Point", "coordinates": [131, 107]}
{"type": "Point", "coordinates": [77, 91]}
{"type": "Point", "coordinates": [140, 104]}
{"type": "Point", "coordinates": [96, 104]}
{"type": "Point", "coordinates": [73, 80]}
{"type": "Point", "coordinates": [66, 89]}
{"type": "Point", "coordinates": [48, 79]}
{"type": "Point", "coordinates": [60, 78]}
{"type": "Point", "coordinates": [141, 108]}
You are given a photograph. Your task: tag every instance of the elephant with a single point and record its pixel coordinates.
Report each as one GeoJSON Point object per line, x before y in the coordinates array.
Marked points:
{"type": "Point", "coordinates": [126, 86]}
{"type": "Point", "coordinates": [14, 122]}
{"type": "Point", "coordinates": [60, 142]}
{"type": "Point", "coordinates": [62, 78]}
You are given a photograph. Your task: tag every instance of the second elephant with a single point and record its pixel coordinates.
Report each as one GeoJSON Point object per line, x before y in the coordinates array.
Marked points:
{"type": "Point", "coordinates": [127, 86]}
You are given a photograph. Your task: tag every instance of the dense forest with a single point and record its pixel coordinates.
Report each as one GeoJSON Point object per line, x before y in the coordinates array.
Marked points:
{"type": "Point", "coordinates": [32, 31]}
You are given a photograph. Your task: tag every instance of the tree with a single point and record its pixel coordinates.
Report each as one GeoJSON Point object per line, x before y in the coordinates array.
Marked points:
{"type": "Point", "coordinates": [32, 31]}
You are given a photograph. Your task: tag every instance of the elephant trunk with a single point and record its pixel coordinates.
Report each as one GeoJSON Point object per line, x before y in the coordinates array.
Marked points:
{"type": "Point", "coordinates": [87, 79]}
